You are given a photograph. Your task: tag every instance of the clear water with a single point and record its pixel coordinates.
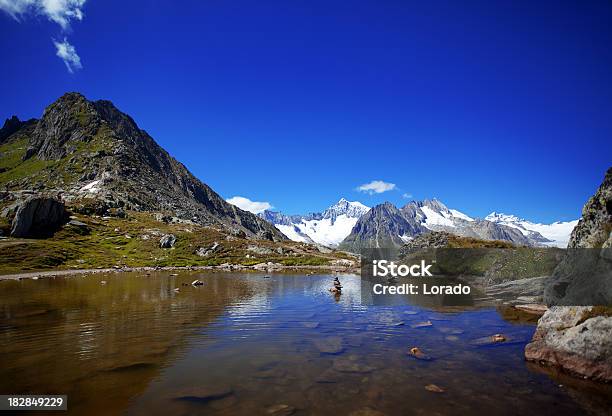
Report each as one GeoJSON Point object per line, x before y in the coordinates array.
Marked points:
{"type": "Point", "coordinates": [242, 344]}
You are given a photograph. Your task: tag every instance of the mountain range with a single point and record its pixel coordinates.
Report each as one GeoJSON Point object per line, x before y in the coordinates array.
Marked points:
{"type": "Point", "coordinates": [98, 160]}
{"type": "Point", "coordinates": [352, 225]}
{"type": "Point", "coordinates": [328, 228]}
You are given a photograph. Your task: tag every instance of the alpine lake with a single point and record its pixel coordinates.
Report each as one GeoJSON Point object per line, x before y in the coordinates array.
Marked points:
{"type": "Point", "coordinates": [279, 344]}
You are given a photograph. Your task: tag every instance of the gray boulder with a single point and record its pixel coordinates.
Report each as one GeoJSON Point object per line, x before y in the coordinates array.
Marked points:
{"type": "Point", "coordinates": [38, 216]}
{"type": "Point", "coordinates": [572, 338]}
{"type": "Point", "coordinates": [79, 227]}
{"type": "Point", "coordinates": [167, 241]}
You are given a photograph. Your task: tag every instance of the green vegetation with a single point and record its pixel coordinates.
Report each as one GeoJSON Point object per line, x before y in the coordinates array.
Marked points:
{"type": "Point", "coordinates": [498, 261]}
{"type": "Point", "coordinates": [455, 241]}
{"type": "Point", "coordinates": [134, 242]}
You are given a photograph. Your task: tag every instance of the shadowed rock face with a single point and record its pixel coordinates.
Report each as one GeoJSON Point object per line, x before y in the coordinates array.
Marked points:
{"type": "Point", "coordinates": [381, 226]}
{"type": "Point", "coordinates": [94, 151]}
{"type": "Point", "coordinates": [387, 226]}
{"type": "Point", "coordinates": [577, 338]}
{"type": "Point", "coordinates": [38, 217]}
{"type": "Point", "coordinates": [11, 125]}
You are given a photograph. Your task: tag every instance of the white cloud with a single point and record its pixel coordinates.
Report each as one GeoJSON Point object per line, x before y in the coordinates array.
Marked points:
{"type": "Point", "coordinates": [406, 195]}
{"type": "Point", "coordinates": [62, 12]}
{"type": "Point", "coordinates": [68, 54]}
{"type": "Point", "coordinates": [58, 11]}
{"type": "Point", "coordinates": [376, 187]}
{"type": "Point", "coordinates": [246, 204]}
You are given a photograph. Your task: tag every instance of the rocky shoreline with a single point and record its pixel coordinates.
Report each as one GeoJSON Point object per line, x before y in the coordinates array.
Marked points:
{"type": "Point", "coordinates": [262, 267]}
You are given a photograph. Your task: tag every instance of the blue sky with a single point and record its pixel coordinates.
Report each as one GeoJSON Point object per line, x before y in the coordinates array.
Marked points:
{"type": "Point", "coordinates": [503, 105]}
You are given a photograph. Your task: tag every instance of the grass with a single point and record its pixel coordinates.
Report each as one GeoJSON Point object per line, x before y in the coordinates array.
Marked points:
{"type": "Point", "coordinates": [15, 173]}
{"type": "Point", "coordinates": [134, 242]}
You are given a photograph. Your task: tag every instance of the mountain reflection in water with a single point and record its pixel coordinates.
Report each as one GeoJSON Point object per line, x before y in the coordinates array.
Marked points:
{"type": "Point", "coordinates": [245, 345]}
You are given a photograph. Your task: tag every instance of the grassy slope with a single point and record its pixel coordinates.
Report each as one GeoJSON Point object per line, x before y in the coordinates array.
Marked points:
{"type": "Point", "coordinates": [119, 241]}
{"type": "Point", "coordinates": [500, 261]}
{"type": "Point", "coordinates": [134, 242]}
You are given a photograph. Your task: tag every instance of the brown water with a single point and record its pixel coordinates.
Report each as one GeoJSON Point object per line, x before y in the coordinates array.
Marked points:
{"type": "Point", "coordinates": [241, 344]}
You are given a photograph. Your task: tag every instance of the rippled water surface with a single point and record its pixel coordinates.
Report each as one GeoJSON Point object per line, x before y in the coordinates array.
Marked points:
{"type": "Point", "coordinates": [249, 345]}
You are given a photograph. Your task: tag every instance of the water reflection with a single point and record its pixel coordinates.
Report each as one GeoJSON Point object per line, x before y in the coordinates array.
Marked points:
{"type": "Point", "coordinates": [244, 344]}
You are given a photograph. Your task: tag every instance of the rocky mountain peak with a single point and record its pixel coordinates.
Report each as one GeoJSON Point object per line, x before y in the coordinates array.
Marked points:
{"type": "Point", "coordinates": [434, 204]}
{"type": "Point", "coordinates": [11, 125]}
{"type": "Point", "coordinates": [68, 121]}
{"type": "Point", "coordinates": [352, 209]}
{"type": "Point", "coordinates": [92, 150]}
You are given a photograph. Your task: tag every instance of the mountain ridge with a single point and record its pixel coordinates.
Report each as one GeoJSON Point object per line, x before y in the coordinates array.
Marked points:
{"type": "Point", "coordinates": [392, 226]}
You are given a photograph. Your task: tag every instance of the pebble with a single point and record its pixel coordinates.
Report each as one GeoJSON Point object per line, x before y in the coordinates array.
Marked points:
{"type": "Point", "coordinates": [417, 353]}
{"type": "Point", "coordinates": [433, 388]}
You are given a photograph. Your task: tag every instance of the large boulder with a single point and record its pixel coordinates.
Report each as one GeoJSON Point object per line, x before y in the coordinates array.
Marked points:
{"type": "Point", "coordinates": [167, 241]}
{"type": "Point", "coordinates": [572, 338]}
{"type": "Point", "coordinates": [38, 216]}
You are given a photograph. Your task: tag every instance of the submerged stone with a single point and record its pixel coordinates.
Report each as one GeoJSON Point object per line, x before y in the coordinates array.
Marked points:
{"type": "Point", "coordinates": [329, 345]}
{"type": "Point", "coordinates": [434, 389]}
{"type": "Point", "coordinates": [204, 393]}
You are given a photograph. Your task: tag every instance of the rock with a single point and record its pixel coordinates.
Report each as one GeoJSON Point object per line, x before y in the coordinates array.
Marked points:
{"type": "Point", "coordinates": [38, 216]}
{"type": "Point", "coordinates": [80, 227]}
{"type": "Point", "coordinates": [417, 353]}
{"type": "Point", "coordinates": [496, 339]}
{"type": "Point", "coordinates": [203, 393]}
{"type": "Point", "coordinates": [203, 251]}
{"type": "Point", "coordinates": [329, 345]}
{"type": "Point", "coordinates": [533, 308]}
{"type": "Point", "coordinates": [280, 410]}
{"type": "Point", "coordinates": [433, 388]}
{"type": "Point", "coordinates": [424, 324]}
{"type": "Point", "coordinates": [197, 283]}
{"type": "Point", "coordinates": [167, 241]}
{"type": "Point", "coordinates": [265, 235]}
{"type": "Point", "coordinates": [235, 232]}
{"type": "Point", "coordinates": [571, 338]}
{"type": "Point", "coordinates": [259, 250]}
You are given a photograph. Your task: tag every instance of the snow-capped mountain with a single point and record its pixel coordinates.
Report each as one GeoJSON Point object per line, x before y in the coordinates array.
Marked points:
{"type": "Point", "coordinates": [328, 228]}
{"type": "Point", "coordinates": [386, 226]}
{"type": "Point", "coordinates": [556, 234]}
